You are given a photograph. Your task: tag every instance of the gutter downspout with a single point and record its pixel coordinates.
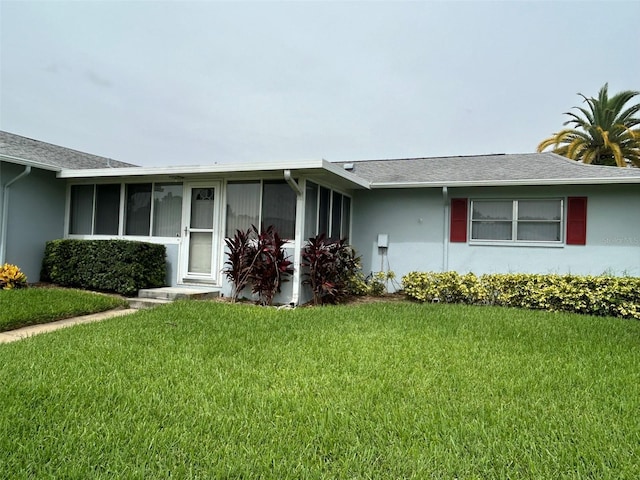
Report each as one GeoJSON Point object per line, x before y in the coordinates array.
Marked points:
{"type": "Point", "coordinates": [297, 242]}
{"type": "Point", "coordinates": [292, 183]}
{"type": "Point", "coordinates": [5, 213]}
{"type": "Point", "coordinates": [445, 230]}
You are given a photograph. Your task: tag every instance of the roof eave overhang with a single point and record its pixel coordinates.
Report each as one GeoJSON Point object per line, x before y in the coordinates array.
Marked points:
{"type": "Point", "coordinates": [507, 183]}
{"type": "Point", "coordinates": [319, 166]}
{"type": "Point", "coordinates": [29, 163]}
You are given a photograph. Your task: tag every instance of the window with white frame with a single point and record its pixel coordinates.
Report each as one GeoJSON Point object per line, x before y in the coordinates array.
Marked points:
{"type": "Point", "coordinates": [149, 209]}
{"type": "Point", "coordinates": [528, 220]}
{"type": "Point", "coordinates": [261, 202]}
{"type": "Point", "coordinates": [326, 211]}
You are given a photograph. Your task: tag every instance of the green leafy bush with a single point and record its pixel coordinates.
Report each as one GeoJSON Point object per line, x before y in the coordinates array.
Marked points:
{"type": "Point", "coordinates": [374, 284]}
{"type": "Point", "coordinates": [120, 266]}
{"type": "Point", "coordinates": [604, 295]}
{"type": "Point", "coordinates": [11, 277]}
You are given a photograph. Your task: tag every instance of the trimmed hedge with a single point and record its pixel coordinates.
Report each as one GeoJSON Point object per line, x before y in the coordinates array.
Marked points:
{"type": "Point", "coordinates": [605, 296]}
{"type": "Point", "coordinates": [119, 266]}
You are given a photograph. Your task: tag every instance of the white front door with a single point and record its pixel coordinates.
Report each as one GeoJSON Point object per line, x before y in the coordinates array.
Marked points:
{"type": "Point", "coordinates": [202, 232]}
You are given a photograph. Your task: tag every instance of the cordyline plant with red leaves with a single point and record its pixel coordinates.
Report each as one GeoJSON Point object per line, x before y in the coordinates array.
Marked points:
{"type": "Point", "coordinates": [257, 257]}
{"type": "Point", "coordinates": [331, 264]}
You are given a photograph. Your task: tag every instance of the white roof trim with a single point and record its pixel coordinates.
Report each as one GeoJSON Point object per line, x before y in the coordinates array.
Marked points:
{"type": "Point", "coordinates": [30, 163]}
{"type": "Point", "coordinates": [499, 183]}
{"type": "Point", "coordinates": [215, 169]}
{"type": "Point", "coordinates": [188, 170]}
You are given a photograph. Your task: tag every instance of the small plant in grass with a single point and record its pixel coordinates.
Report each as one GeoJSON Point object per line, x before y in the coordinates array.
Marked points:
{"type": "Point", "coordinates": [257, 258]}
{"type": "Point", "coordinates": [330, 266]}
{"type": "Point", "coordinates": [11, 277]}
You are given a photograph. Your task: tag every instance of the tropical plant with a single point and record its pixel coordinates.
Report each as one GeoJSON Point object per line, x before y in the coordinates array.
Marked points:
{"type": "Point", "coordinates": [257, 257]}
{"type": "Point", "coordinates": [603, 133]}
{"type": "Point", "coordinates": [270, 266]}
{"type": "Point", "coordinates": [11, 277]}
{"type": "Point", "coordinates": [330, 266]}
{"type": "Point", "coordinates": [241, 254]}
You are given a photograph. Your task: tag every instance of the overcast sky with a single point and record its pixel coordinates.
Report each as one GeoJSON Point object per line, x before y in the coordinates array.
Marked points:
{"type": "Point", "coordinates": [194, 83]}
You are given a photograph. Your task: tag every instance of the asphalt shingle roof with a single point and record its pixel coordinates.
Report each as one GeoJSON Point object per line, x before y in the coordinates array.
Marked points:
{"type": "Point", "coordinates": [485, 169]}
{"type": "Point", "coordinates": [52, 155]}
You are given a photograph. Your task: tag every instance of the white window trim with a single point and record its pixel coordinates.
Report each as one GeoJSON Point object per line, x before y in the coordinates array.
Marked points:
{"type": "Point", "coordinates": [514, 242]}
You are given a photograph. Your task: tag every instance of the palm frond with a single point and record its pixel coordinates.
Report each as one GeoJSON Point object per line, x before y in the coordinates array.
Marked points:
{"type": "Point", "coordinates": [603, 132]}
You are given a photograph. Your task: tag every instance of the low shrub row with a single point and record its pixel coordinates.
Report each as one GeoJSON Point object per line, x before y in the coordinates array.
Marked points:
{"type": "Point", "coordinates": [612, 296]}
{"type": "Point", "coordinates": [119, 266]}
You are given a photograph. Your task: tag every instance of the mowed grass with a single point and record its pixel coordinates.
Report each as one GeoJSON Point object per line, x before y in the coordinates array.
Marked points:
{"type": "Point", "coordinates": [387, 390]}
{"type": "Point", "coordinates": [31, 306]}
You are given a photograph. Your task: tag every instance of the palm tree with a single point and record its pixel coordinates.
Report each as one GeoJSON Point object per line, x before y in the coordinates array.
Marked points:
{"type": "Point", "coordinates": [603, 133]}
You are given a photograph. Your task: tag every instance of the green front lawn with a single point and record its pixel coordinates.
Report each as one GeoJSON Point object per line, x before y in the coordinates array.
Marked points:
{"type": "Point", "coordinates": [386, 390]}
{"type": "Point", "coordinates": [30, 306]}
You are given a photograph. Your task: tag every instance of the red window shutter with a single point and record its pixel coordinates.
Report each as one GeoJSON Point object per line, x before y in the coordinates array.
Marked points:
{"type": "Point", "coordinates": [458, 228]}
{"type": "Point", "coordinates": [576, 220]}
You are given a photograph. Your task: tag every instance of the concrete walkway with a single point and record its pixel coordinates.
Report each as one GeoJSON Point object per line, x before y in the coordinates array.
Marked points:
{"type": "Point", "coordinates": [24, 332]}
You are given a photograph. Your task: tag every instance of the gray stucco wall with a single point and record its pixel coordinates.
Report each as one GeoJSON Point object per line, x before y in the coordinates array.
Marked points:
{"type": "Point", "coordinates": [35, 215]}
{"type": "Point", "coordinates": [414, 221]}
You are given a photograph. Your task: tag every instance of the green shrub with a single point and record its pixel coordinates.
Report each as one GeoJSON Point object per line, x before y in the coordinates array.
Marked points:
{"type": "Point", "coordinates": [120, 266]}
{"type": "Point", "coordinates": [605, 295]}
{"type": "Point", "coordinates": [374, 284]}
{"type": "Point", "coordinates": [446, 287]}
{"type": "Point", "coordinates": [11, 277]}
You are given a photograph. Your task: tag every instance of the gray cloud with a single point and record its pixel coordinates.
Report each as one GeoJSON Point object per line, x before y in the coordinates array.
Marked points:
{"type": "Point", "coordinates": [167, 83]}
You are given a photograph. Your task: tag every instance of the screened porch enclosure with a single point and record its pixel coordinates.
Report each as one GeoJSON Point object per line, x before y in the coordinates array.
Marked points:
{"type": "Point", "coordinates": [137, 209]}
{"type": "Point", "coordinates": [194, 217]}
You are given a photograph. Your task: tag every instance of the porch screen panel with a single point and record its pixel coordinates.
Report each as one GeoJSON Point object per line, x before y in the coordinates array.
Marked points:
{"type": "Point", "coordinates": [81, 213]}
{"type": "Point", "coordinates": [279, 208]}
{"type": "Point", "coordinates": [243, 206]}
{"type": "Point", "coordinates": [310, 210]}
{"type": "Point", "coordinates": [138, 209]}
{"type": "Point", "coordinates": [336, 216]}
{"type": "Point", "coordinates": [492, 220]}
{"type": "Point", "coordinates": [346, 217]}
{"type": "Point", "coordinates": [324, 211]}
{"type": "Point", "coordinates": [167, 209]}
{"type": "Point", "coordinates": [107, 209]}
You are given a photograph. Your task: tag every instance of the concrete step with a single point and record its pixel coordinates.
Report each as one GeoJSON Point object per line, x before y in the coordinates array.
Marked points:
{"type": "Point", "coordinates": [140, 303]}
{"type": "Point", "coordinates": [179, 293]}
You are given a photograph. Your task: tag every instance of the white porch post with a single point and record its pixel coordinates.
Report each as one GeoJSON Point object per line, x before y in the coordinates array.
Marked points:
{"type": "Point", "coordinates": [299, 233]}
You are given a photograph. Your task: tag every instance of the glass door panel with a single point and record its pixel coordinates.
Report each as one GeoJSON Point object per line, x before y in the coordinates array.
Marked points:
{"type": "Point", "coordinates": [201, 232]}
